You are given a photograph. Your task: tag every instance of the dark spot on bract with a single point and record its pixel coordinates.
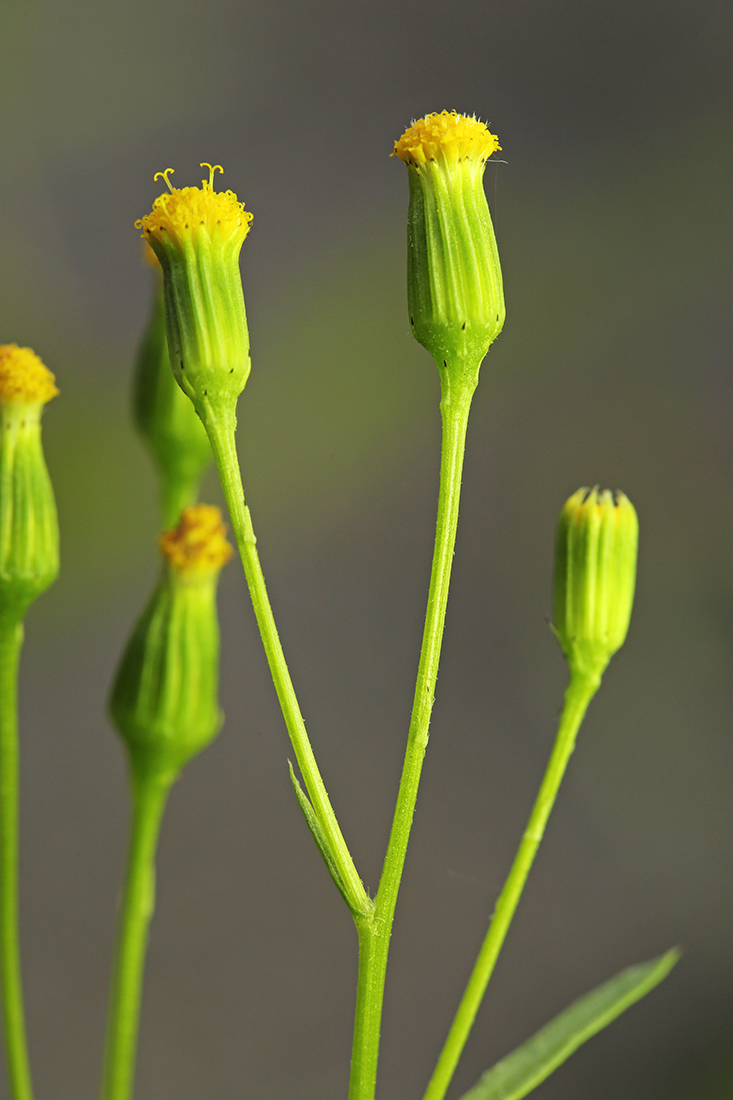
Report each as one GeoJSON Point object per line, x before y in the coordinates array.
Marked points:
{"type": "Point", "coordinates": [463, 327]}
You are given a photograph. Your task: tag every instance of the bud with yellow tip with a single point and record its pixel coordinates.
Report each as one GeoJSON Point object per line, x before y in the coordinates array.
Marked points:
{"type": "Point", "coordinates": [595, 577]}
{"type": "Point", "coordinates": [197, 234]}
{"type": "Point", "coordinates": [454, 282]}
{"type": "Point", "coordinates": [164, 700]}
{"type": "Point", "coordinates": [29, 535]}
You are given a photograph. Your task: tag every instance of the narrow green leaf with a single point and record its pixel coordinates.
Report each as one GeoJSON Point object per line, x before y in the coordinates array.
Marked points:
{"type": "Point", "coordinates": [318, 836]}
{"type": "Point", "coordinates": [528, 1065]}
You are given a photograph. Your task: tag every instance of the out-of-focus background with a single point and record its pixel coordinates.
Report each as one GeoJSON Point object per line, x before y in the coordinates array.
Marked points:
{"type": "Point", "coordinates": [613, 215]}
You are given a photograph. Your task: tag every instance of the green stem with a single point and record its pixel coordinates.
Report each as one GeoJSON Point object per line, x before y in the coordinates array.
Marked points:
{"type": "Point", "coordinates": [16, 1049]}
{"type": "Point", "coordinates": [580, 691]}
{"type": "Point", "coordinates": [149, 793]}
{"type": "Point", "coordinates": [374, 940]}
{"type": "Point", "coordinates": [222, 438]}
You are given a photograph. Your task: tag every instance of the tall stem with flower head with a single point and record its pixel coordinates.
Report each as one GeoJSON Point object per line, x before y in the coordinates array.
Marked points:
{"type": "Point", "coordinates": [197, 235]}
{"type": "Point", "coordinates": [456, 309]}
{"type": "Point", "coordinates": [165, 705]}
{"type": "Point", "coordinates": [29, 562]}
{"type": "Point", "coordinates": [595, 576]}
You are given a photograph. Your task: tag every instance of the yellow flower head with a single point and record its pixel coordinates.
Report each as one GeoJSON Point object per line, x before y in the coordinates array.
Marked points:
{"type": "Point", "coordinates": [180, 213]}
{"type": "Point", "coordinates": [199, 543]}
{"type": "Point", "coordinates": [24, 380]}
{"type": "Point", "coordinates": [446, 137]}
{"type": "Point", "coordinates": [455, 293]}
{"type": "Point", "coordinates": [197, 235]}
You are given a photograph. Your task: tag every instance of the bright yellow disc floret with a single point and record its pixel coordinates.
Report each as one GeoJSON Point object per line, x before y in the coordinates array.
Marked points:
{"type": "Point", "coordinates": [181, 212]}
{"type": "Point", "coordinates": [446, 137]}
{"type": "Point", "coordinates": [199, 543]}
{"type": "Point", "coordinates": [24, 380]}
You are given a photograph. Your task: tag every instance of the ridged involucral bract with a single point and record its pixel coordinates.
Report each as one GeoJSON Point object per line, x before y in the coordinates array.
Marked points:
{"type": "Point", "coordinates": [29, 533]}
{"type": "Point", "coordinates": [595, 577]}
{"type": "Point", "coordinates": [197, 234]}
{"type": "Point", "coordinates": [454, 282]}
{"type": "Point", "coordinates": [164, 700]}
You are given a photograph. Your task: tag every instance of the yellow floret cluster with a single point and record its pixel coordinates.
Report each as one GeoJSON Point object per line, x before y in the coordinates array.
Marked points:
{"type": "Point", "coordinates": [24, 380]}
{"type": "Point", "coordinates": [199, 543]}
{"type": "Point", "coordinates": [181, 212]}
{"type": "Point", "coordinates": [446, 137]}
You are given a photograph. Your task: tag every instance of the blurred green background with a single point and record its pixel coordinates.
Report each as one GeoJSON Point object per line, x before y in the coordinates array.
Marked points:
{"type": "Point", "coordinates": [613, 216]}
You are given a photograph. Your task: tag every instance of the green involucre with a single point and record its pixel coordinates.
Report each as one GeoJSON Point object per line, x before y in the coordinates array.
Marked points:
{"type": "Point", "coordinates": [29, 533]}
{"type": "Point", "coordinates": [208, 339]}
{"type": "Point", "coordinates": [595, 577]}
{"type": "Point", "coordinates": [164, 700]}
{"type": "Point", "coordinates": [454, 284]}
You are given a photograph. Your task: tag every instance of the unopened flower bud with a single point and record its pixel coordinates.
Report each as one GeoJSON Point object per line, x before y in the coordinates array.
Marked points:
{"type": "Point", "coordinates": [454, 283]}
{"type": "Point", "coordinates": [29, 534]}
{"type": "Point", "coordinates": [164, 700]}
{"type": "Point", "coordinates": [165, 417]}
{"type": "Point", "coordinates": [197, 234]}
{"type": "Point", "coordinates": [595, 576]}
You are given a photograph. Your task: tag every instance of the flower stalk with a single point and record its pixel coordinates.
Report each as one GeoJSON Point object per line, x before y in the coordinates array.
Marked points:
{"type": "Point", "coordinates": [374, 937]}
{"type": "Point", "coordinates": [29, 562]}
{"type": "Point", "coordinates": [164, 703]}
{"type": "Point", "coordinates": [581, 690]}
{"type": "Point", "coordinates": [197, 234]}
{"type": "Point", "coordinates": [594, 580]}
{"type": "Point", "coordinates": [456, 307]}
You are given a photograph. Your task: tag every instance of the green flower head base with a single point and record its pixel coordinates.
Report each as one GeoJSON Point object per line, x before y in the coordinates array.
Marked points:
{"type": "Point", "coordinates": [29, 533]}
{"type": "Point", "coordinates": [595, 576]}
{"type": "Point", "coordinates": [454, 283]}
{"type": "Point", "coordinates": [165, 696]}
{"type": "Point", "coordinates": [197, 234]}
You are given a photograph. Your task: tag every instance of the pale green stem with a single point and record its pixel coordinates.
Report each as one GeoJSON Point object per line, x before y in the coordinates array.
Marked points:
{"type": "Point", "coordinates": [149, 794]}
{"type": "Point", "coordinates": [16, 1049]}
{"type": "Point", "coordinates": [177, 493]}
{"type": "Point", "coordinates": [580, 691]}
{"type": "Point", "coordinates": [222, 438]}
{"type": "Point", "coordinates": [374, 936]}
